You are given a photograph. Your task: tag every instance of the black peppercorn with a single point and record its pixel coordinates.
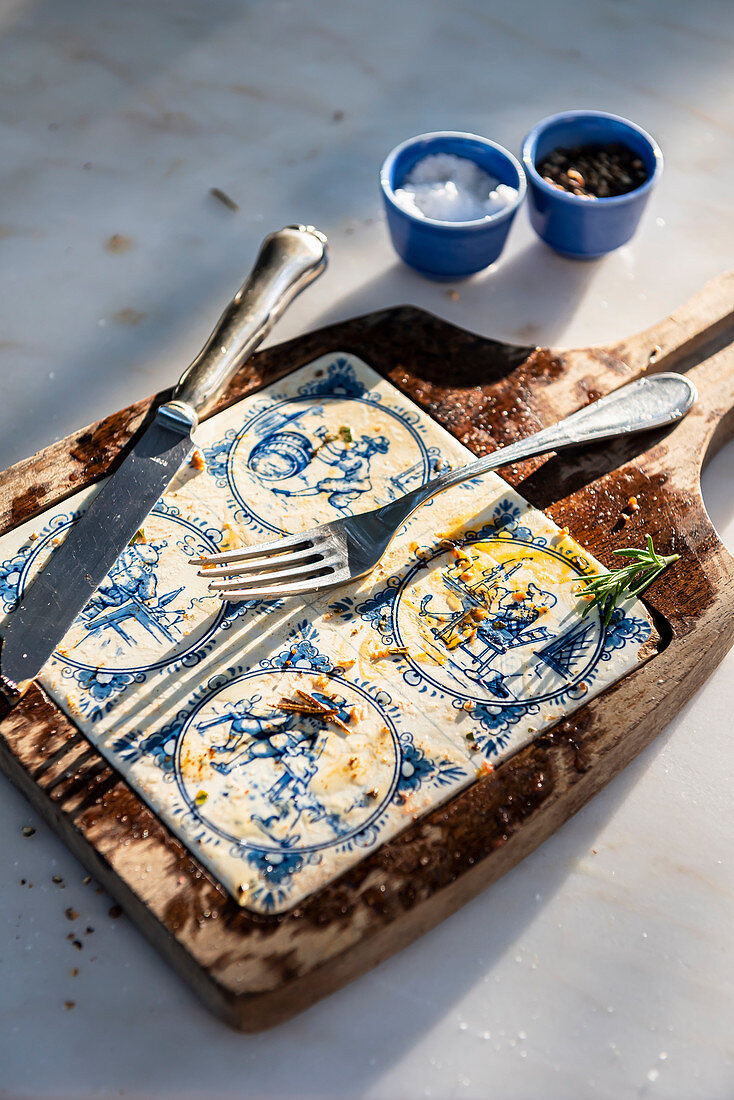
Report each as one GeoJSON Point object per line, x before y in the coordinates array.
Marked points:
{"type": "Point", "coordinates": [593, 171]}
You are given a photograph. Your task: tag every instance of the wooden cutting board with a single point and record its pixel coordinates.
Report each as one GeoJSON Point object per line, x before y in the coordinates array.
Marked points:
{"type": "Point", "coordinates": [258, 970]}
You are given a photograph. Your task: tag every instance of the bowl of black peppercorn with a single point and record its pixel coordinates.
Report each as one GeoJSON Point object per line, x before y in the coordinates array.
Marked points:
{"type": "Point", "coordinates": [590, 175]}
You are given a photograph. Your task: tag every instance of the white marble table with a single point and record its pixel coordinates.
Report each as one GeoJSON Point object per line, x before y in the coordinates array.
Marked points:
{"type": "Point", "coordinates": [603, 965]}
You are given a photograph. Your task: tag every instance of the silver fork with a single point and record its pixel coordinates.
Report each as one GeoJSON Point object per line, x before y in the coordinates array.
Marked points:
{"type": "Point", "coordinates": [345, 549]}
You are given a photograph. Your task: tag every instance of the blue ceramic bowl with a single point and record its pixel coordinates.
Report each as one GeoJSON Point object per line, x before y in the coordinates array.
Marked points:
{"type": "Point", "coordinates": [574, 226]}
{"type": "Point", "coordinates": [445, 250]}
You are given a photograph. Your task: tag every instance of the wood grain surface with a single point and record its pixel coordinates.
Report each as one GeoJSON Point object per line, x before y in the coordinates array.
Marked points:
{"type": "Point", "coordinates": [257, 971]}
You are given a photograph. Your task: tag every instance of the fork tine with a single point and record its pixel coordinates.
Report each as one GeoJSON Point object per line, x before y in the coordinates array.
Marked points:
{"type": "Point", "coordinates": [285, 542]}
{"type": "Point", "coordinates": [299, 588]}
{"type": "Point", "coordinates": [311, 556]}
{"type": "Point", "coordinates": [320, 568]}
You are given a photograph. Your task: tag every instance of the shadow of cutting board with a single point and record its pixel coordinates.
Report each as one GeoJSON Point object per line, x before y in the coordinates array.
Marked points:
{"type": "Point", "coordinates": [258, 970]}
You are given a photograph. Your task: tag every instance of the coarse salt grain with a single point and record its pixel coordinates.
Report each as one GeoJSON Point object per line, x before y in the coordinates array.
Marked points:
{"type": "Point", "coordinates": [447, 188]}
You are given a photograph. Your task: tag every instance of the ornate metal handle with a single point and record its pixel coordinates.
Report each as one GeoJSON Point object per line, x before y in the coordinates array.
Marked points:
{"type": "Point", "coordinates": [288, 261]}
{"type": "Point", "coordinates": [641, 405]}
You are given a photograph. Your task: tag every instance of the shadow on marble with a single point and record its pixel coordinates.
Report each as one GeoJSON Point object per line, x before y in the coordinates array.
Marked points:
{"type": "Point", "coordinates": [105, 355]}
{"type": "Point", "coordinates": [533, 294]}
{"type": "Point", "coordinates": [435, 972]}
{"type": "Point", "coordinates": [427, 979]}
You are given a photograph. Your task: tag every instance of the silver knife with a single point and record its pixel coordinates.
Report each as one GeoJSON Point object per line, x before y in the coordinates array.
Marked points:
{"type": "Point", "coordinates": [288, 261]}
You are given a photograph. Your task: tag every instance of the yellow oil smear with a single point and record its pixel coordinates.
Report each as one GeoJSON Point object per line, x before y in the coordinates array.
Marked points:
{"type": "Point", "coordinates": [545, 571]}
{"type": "Point", "coordinates": [356, 764]}
{"type": "Point", "coordinates": [234, 535]}
{"type": "Point", "coordinates": [538, 572]}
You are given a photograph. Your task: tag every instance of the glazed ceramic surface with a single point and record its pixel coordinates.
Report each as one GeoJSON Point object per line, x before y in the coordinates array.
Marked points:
{"type": "Point", "coordinates": [582, 228]}
{"type": "Point", "coordinates": [449, 249]}
{"type": "Point", "coordinates": [281, 741]}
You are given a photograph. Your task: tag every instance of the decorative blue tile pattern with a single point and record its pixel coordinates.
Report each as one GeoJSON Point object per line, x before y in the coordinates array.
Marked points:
{"type": "Point", "coordinates": [289, 449]}
{"type": "Point", "coordinates": [282, 741]}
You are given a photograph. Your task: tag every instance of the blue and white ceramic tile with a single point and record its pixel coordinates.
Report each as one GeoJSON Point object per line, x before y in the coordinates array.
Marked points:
{"type": "Point", "coordinates": [466, 641]}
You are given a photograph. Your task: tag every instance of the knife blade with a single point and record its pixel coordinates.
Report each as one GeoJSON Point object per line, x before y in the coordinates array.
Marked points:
{"type": "Point", "coordinates": [288, 261]}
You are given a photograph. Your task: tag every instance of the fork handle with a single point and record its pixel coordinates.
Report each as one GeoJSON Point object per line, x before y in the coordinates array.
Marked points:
{"type": "Point", "coordinates": [640, 405]}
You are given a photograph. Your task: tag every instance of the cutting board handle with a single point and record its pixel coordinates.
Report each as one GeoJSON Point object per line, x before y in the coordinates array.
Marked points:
{"type": "Point", "coordinates": [698, 339]}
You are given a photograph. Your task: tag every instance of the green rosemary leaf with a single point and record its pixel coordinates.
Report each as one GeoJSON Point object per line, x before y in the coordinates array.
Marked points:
{"type": "Point", "coordinates": [651, 548]}
{"type": "Point", "coordinates": [610, 609]}
{"type": "Point", "coordinates": [607, 589]}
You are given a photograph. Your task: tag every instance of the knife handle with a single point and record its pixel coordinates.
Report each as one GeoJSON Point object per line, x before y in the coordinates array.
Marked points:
{"type": "Point", "coordinates": [288, 261]}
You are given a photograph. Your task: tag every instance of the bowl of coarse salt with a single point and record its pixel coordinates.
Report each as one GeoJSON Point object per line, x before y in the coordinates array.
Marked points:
{"type": "Point", "coordinates": [450, 199]}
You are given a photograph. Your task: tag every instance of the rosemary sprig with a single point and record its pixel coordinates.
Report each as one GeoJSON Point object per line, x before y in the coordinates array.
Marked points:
{"type": "Point", "coordinates": [607, 589]}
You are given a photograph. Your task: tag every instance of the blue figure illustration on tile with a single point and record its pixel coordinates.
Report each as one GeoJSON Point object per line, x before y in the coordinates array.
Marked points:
{"type": "Point", "coordinates": [499, 628]}
{"type": "Point", "coordinates": [281, 452]}
{"type": "Point", "coordinates": [129, 595]}
{"type": "Point", "coordinates": [323, 443]}
{"type": "Point", "coordinates": [492, 615]}
{"type": "Point", "coordinates": [246, 723]}
{"type": "Point", "coordinates": [292, 741]}
{"type": "Point", "coordinates": [281, 784]}
{"type": "Point", "coordinates": [134, 622]}
{"type": "Point", "coordinates": [563, 652]}
{"type": "Point", "coordinates": [352, 459]}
